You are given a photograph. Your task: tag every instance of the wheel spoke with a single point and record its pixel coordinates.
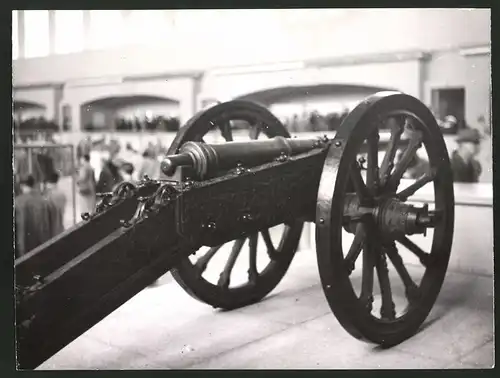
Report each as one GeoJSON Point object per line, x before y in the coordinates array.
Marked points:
{"type": "Point", "coordinates": [252, 265]}
{"type": "Point", "coordinates": [201, 264]}
{"type": "Point", "coordinates": [397, 129]}
{"type": "Point", "coordinates": [412, 189]}
{"type": "Point", "coordinates": [369, 251]}
{"type": "Point", "coordinates": [416, 250]}
{"type": "Point", "coordinates": [271, 251]}
{"type": "Point", "coordinates": [226, 132]}
{"type": "Point", "coordinates": [411, 288]}
{"type": "Point", "coordinates": [226, 273]}
{"type": "Point", "coordinates": [408, 156]}
{"type": "Point", "coordinates": [387, 310]}
{"type": "Point", "coordinates": [255, 130]}
{"type": "Point", "coordinates": [372, 173]}
{"type": "Point", "coordinates": [359, 185]}
{"type": "Point", "coordinates": [356, 247]}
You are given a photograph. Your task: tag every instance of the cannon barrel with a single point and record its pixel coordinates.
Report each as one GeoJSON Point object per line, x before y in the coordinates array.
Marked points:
{"type": "Point", "coordinates": [206, 160]}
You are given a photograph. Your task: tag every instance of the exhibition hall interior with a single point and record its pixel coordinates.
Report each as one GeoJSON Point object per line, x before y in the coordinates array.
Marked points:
{"type": "Point", "coordinates": [253, 189]}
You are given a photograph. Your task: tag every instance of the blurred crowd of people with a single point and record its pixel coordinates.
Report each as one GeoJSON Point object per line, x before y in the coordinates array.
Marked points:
{"type": "Point", "coordinates": [34, 155]}
{"type": "Point", "coordinates": [104, 165]}
{"type": "Point", "coordinates": [39, 202]}
{"type": "Point", "coordinates": [39, 212]}
{"type": "Point", "coordinates": [155, 123]}
{"type": "Point", "coordinates": [314, 121]}
{"type": "Point", "coordinates": [35, 124]}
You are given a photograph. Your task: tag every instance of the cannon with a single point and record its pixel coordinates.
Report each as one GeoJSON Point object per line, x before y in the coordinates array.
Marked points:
{"type": "Point", "coordinates": [230, 195]}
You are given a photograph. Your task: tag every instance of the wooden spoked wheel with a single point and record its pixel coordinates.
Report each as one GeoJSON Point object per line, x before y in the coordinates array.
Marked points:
{"type": "Point", "coordinates": [368, 202]}
{"type": "Point", "coordinates": [268, 259]}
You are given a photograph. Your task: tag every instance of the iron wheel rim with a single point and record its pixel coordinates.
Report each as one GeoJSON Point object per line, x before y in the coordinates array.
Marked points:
{"type": "Point", "coordinates": [336, 282]}
{"type": "Point", "coordinates": [185, 273]}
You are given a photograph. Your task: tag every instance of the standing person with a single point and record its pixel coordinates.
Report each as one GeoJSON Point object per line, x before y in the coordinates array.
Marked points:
{"type": "Point", "coordinates": [110, 174]}
{"type": "Point", "coordinates": [33, 217]}
{"type": "Point", "coordinates": [450, 124]}
{"type": "Point", "coordinates": [86, 186]}
{"type": "Point", "coordinates": [463, 160]}
{"type": "Point", "coordinates": [485, 150]}
{"type": "Point", "coordinates": [294, 125]}
{"type": "Point", "coordinates": [84, 147]}
{"type": "Point", "coordinates": [150, 166]}
{"type": "Point", "coordinates": [58, 198]}
{"type": "Point", "coordinates": [127, 172]}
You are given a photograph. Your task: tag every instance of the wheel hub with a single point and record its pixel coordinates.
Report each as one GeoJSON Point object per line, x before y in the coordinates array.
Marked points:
{"type": "Point", "coordinates": [391, 216]}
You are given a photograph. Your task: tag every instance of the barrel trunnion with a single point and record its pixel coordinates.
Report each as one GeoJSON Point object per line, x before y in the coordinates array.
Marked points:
{"type": "Point", "coordinates": [237, 197]}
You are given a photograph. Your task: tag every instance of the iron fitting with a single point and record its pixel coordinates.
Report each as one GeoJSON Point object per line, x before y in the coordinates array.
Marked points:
{"type": "Point", "coordinates": [204, 158]}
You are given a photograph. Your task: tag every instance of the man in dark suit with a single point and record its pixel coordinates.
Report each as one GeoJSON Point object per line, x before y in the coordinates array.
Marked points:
{"type": "Point", "coordinates": [58, 198]}
{"type": "Point", "coordinates": [34, 216]}
{"type": "Point", "coordinates": [463, 160]}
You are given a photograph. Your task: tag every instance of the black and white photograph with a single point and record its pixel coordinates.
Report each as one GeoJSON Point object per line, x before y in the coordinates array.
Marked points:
{"type": "Point", "coordinates": [252, 189]}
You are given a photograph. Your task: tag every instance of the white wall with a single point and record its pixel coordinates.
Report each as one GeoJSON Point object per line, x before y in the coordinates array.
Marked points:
{"type": "Point", "coordinates": [31, 113]}
{"type": "Point", "coordinates": [141, 110]}
{"type": "Point", "coordinates": [323, 104]}
{"type": "Point", "coordinates": [402, 76]}
{"type": "Point", "coordinates": [448, 70]}
{"type": "Point", "coordinates": [382, 30]}
{"type": "Point", "coordinates": [180, 89]}
{"type": "Point", "coordinates": [361, 32]}
{"type": "Point", "coordinates": [42, 96]}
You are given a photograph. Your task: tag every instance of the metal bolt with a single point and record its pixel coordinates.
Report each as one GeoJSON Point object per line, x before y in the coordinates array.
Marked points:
{"type": "Point", "coordinates": [125, 223]}
{"type": "Point", "coordinates": [85, 216]}
{"type": "Point", "coordinates": [211, 226]}
{"type": "Point", "coordinates": [282, 158]}
{"type": "Point", "coordinates": [321, 221]}
{"type": "Point", "coordinates": [38, 278]}
{"type": "Point", "coordinates": [338, 143]}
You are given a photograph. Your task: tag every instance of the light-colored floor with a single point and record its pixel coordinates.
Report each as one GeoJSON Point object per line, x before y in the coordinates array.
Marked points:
{"type": "Point", "coordinates": [293, 328]}
{"type": "Point", "coordinates": [164, 328]}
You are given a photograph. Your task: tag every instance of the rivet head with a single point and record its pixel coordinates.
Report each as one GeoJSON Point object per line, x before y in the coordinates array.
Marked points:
{"type": "Point", "coordinates": [321, 220]}
{"type": "Point", "coordinates": [338, 143]}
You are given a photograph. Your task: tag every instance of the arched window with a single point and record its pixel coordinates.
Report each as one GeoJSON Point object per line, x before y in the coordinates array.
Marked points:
{"type": "Point", "coordinates": [69, 35]}
{"type": "Point", "coordinates": [36, 32]}
{"type": "Point", "coordinates": [15, 36]}
{"type": "Point", "coordinates": [106, 29]}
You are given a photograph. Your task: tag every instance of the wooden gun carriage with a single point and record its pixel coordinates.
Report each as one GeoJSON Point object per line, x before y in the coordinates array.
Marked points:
{"type": "Point", "coordinates": [215, 194]}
